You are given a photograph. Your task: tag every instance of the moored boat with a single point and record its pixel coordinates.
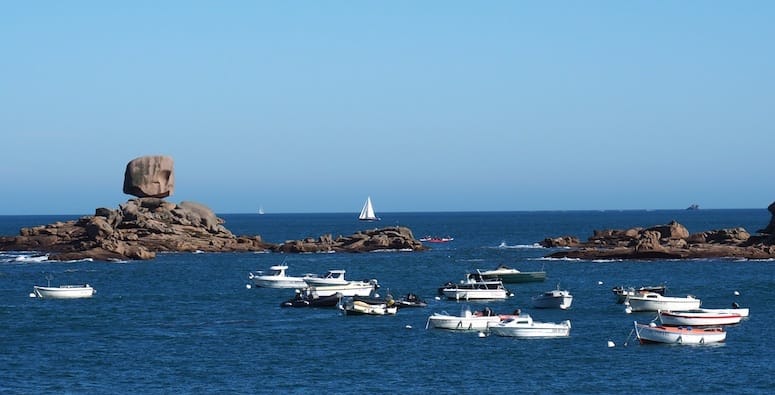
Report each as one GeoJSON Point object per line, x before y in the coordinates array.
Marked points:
{"type": "Point", "coordinates": [304, 299]}
{"type": "Point", "coordinates": [410, 300]}
{"type": "Point", "coordinates": [332, 277]}
{"type": "Point", "coordinates": [511, 276]}
{"type": "Point", "coordinates": [368, 306]}
{"type": "Point", "coordinates": [351, 288]}
{"type": "Point", "coordinates": [653, 333]}
{"type": "Point", "coordinates": [63, 292]}
{"type": "Point", "coordinates": [554, 299]}
{"type": "Point", "coordinates": [278, 278]}
{"type": "Point", "coordinates": [523, 326]}
{"type": "Point", "coordinates": [467, 320]}
{"type": "Point", "coordinates": [652, 301]}
{"type": "Point", "coordinates": [622, 293]}
{"type": "Point", "coordinates": [475, 287]}
{"type": "Point", "coordinates": [697, 318]}
{"type": "Point", "coordinates": [743, 311]}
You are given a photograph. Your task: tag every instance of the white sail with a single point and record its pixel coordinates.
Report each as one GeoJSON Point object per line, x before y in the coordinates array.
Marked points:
{"type": "Point", "coordinates": [367, 212]}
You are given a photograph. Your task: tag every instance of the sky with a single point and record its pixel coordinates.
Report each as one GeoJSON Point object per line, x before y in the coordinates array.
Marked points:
{"type": "Point", "coordinates": [311, 106]}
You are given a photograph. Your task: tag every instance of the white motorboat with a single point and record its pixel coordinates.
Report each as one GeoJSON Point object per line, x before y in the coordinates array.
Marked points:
{"type": "Point", "coordinates": [554, 299]}
{"type": "Point", "coordinates": [332, 277]}
{"type": "Point", "coordinates": [63, 292]}
{"type": "Point", "coordinates": [697, 318]}
{"type": "Point", "coordinates": [523, 326]}
{"type": "Point", "coordinates": [474, 287]}
{"type": "Point", "coordinates": [652, 301]}
{"type": "Point", "coordinates": [466, 321]}
{"type": "Point", "coordinates": [278, 278]}
{"type": "Point", "coordinates": [351, 288]}
{"type": "Point", "coordinates": [653, 333]}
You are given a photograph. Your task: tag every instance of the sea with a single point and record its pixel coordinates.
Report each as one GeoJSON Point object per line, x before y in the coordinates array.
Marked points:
{"type": "Point", "coordinates": [191, 322]}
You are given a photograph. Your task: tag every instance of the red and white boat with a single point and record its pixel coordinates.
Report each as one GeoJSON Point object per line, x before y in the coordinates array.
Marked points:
{"type": "Point", "coordinates": [436, 239]}
{"type": "Point", "coordinates": [653, 333]}
{"type": "Point", "coordinates": [697, 318]}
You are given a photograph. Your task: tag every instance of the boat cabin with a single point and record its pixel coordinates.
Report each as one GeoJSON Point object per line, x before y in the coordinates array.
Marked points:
{"type": "Point", "coordinates": [334, 275]}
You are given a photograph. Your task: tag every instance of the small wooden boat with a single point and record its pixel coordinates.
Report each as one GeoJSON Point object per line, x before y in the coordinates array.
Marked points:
{"type": "Point", "coordinates": [653, 333]}
{"type": "Point", "coordinates": [523, 326]}
{"type": "Point", "coordinates": [743, 311]}
{"type": "Point", "coordinates": [63, 292]}
{"type": "Point", "coordinates": [368, 306]}
{"type": "Point", "coordinates": [511, 276]}
{"type": "Point", "coordinates": [652, 301]}
{"type": "Point", "coordinates": [697, 318]}
{"type": "Point", "coordinates": [622, 293]}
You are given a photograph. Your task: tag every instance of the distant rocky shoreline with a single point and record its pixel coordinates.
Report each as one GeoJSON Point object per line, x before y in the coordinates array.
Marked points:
{"type": "Point", "coordinates": [670, 241]}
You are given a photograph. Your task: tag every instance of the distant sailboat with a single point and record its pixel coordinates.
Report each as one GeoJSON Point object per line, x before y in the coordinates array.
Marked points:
{"type": "Point", "coordinates": [261, 210]}
{"type": "Point", "coordinates": [367, 213]}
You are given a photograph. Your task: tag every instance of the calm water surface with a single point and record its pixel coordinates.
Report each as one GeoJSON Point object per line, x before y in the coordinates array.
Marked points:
{"type": "Point", "coordinates": [187, 323]}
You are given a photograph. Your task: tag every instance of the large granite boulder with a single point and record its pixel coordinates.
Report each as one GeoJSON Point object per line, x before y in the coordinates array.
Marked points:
{"type": "Point", "coordinates": [770, 229]}
{"type": "Point", "coordinates": [149, 176]}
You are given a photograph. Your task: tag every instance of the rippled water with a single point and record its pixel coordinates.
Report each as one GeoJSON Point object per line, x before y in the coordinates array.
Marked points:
{"type": "Point", "coordinates": [188, 323]}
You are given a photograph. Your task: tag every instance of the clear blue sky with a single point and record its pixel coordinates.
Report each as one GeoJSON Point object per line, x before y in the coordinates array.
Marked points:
{"type": "Point", "coordinates": [310, 106]}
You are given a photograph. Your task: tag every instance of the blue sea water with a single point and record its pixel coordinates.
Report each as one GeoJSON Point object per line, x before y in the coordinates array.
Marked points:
{"type": "Point", "coordinates": [187, 323]}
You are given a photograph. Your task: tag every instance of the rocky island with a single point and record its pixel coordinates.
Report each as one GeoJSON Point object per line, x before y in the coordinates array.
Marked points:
{"type": "Point", "coordinates": [670, 241]}
{"type": "Point", "coordinates": [147, 224]}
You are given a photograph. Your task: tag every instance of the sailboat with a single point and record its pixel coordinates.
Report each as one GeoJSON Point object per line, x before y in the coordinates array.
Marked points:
{"type": "Point", "coordinates": [367, 212]}
{"type": "Point", "coordinates": [261, 210]}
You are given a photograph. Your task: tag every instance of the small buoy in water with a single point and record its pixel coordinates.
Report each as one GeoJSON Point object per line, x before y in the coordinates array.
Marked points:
{"type": "Point", "coordinates": [599, 283]}
{"type": "Point", "coordinates": [628, 310]}
{"type": "Point", "coordinates": [248, 286]}
{"type": "Point", "coordinates": [737, 293]}
{"type": "Point", "coordinates": [611, 344]}
{"type": "Point", "coordinates": [437, 298]}
{"type": "Point", "coordinates": [408, 327]}
{"type": "Point", "coordinates": [482, 334]}
{"type": "Point", "coordinates": [32, 294]}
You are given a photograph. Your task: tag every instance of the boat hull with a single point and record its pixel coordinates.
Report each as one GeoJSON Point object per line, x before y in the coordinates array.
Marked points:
{"type": "Point", "coordinates": [555, 300]}
{"type": "Point", "coordinates": [64, 292]}
{"type": "Point", "coordinates": [354, 288]}
{"type": "Point", "coordinates": [286, 283]}
{"type": "Point", "coordinates": [358, 307]}
{"type": "Point", "coordinates": [531, 330]}
{"type": "Point", "coordinates": [469, 294]}
{"type": "Point", "coordinates": [471, 323]}
{"type": "Point", "coordinates": [678, 335]}
{"type": "Point", "coordinates": [697, 318]}
{"type": "Point", "coordinates": [664, 303]}
{"type": "Point", "coordinates": [742, 311]}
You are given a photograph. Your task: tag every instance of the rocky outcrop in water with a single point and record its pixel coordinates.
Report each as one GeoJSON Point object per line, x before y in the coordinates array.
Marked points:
{"type": "Point", "coordinates": [670, 241]}
{"type": "Point", "coordinates": [142, 227]}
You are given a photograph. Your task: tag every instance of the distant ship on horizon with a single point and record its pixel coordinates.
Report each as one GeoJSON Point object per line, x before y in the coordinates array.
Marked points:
{"type": "Point", "coordinates": [694, 206]}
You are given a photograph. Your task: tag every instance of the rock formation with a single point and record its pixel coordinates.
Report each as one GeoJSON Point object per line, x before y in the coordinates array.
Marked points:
{"type": "Point", "coordinates": [671, 241]}
{"type": "Point", "coordinates": [149, 176]}
{"type": "Point", "coordinates": [141, 227]}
